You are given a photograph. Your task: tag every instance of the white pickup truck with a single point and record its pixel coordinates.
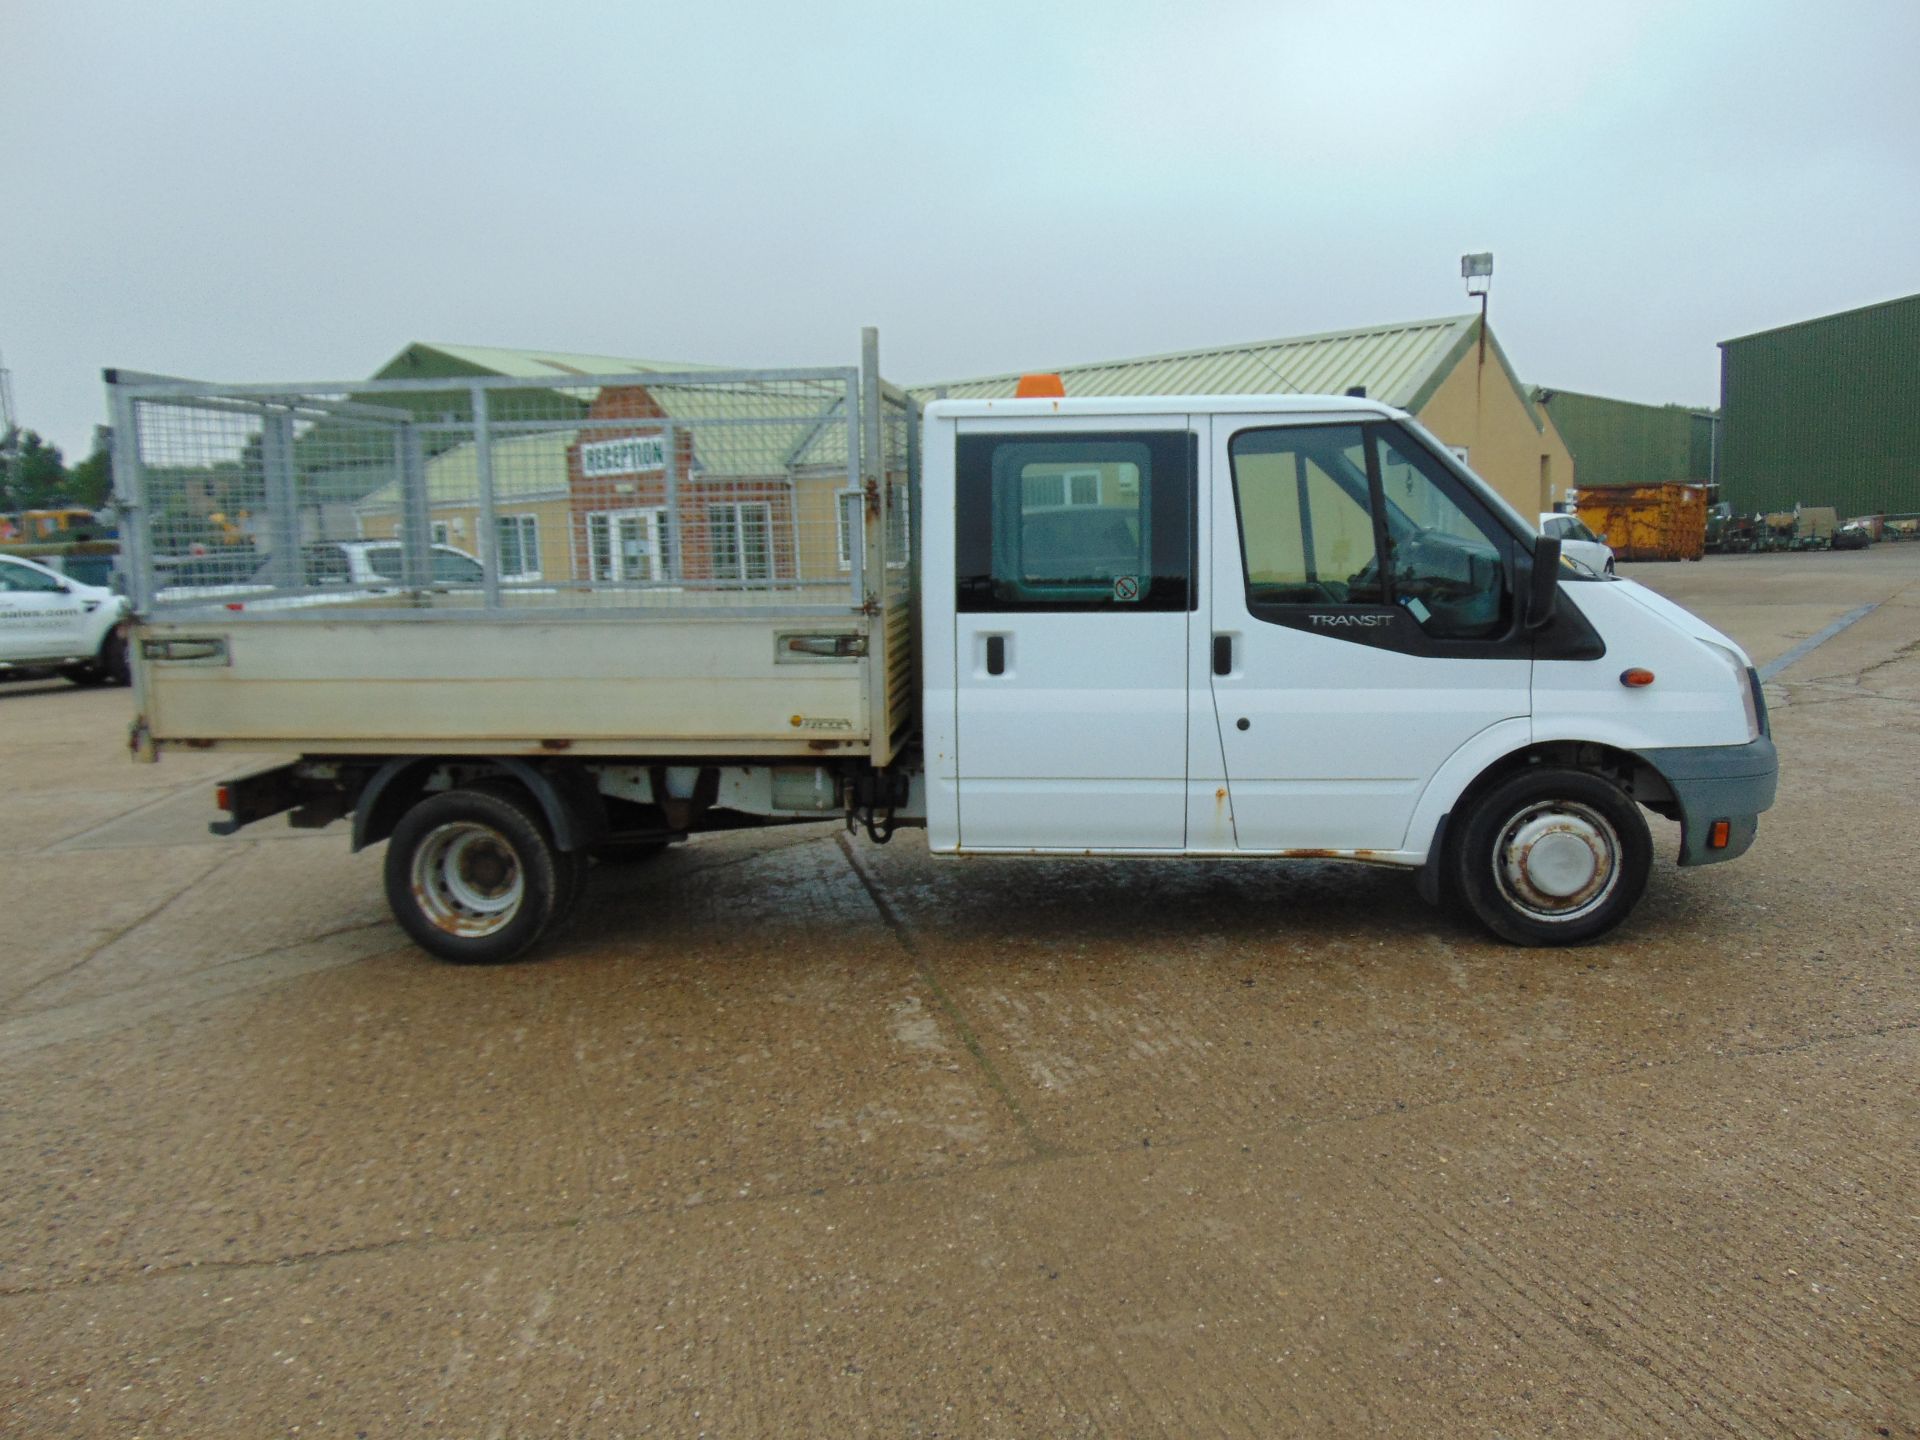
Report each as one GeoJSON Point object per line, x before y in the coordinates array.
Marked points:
{"type": "Point", "coordinates": [49, 622]}
{"type": "Point", "coordinates": [1184, 626]}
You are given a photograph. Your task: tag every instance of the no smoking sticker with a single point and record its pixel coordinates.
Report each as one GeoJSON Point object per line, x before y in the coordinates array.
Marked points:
{"type": "Point", "coordinates": [1126, 587]}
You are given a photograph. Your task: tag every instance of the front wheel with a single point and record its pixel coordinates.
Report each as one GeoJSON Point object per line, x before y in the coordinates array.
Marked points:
{"type": "Point", "coordinates": [109, 667]}
{"type": "Point", "coordinates": [1552, 856]}
{"type": "Point", "coordinates": [472, 876]}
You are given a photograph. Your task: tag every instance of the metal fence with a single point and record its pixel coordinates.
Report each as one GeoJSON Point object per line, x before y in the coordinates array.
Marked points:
{"type": "Point", "coordinates": [705, 489]}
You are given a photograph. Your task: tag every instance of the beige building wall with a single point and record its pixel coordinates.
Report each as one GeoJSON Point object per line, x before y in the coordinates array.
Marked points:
{"type": "Point", "coordinates": [817, 525]}
{"type": "Point", "coordinates": [463, 530]}
{"type": "Point", "coordinates": [1479, 408]}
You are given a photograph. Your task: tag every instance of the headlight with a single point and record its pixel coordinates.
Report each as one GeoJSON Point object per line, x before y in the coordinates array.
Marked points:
{"type": "Point", "coordinates": [1747, 680]}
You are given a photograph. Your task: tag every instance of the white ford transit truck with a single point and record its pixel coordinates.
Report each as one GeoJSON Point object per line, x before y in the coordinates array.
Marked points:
{"type": "Point", "coordinates": [1180, 626]}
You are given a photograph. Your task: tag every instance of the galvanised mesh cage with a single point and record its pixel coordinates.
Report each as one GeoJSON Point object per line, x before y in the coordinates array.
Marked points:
{"type": "Point", "coordinates": [707, 489]}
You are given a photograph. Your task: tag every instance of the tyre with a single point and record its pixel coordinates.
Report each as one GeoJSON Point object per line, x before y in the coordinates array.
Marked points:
{"type": "Point", "coordinates": [109, 667]}
{"type": "Point", "coordinates": [473, 877]}
{"type": "Point", "coordinates": [570, 866]}
{"type": "Point", "coordinates": [1609, 565]}
{"type": "Point", "coordinates": [1551, 856]}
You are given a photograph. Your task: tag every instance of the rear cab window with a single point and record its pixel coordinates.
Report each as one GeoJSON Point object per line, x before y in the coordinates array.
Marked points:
{"type": "Point", "coordinates": [1077, 522]}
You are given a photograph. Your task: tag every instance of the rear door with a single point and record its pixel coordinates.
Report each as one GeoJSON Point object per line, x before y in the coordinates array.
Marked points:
{"type": "Point", "coordinates": [1074, 583]}
{"type": "Point", "coordinates": [1341, 685]}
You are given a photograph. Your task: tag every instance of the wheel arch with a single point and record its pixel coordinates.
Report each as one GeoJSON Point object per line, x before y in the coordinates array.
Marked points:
{"type": "Point", "coordinates": [567, 796]}
{"type": "Point", "coordinates": [1476, 768]}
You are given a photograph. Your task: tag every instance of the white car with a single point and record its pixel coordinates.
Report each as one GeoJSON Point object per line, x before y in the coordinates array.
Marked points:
{"type": "Point", "coordinates": [48, 622]}
{"type": "Point", "coordinates": [1577, 542]}
{"type": "Point", "coordinates": [329, 571]}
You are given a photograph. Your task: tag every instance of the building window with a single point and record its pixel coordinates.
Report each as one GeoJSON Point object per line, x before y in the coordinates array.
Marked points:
{"type": "Point", "coordinates": [898, 537]}
{"type": "Point", "coordinates": [519, 547]}
{"type": "Point", "coordinates": [741, 540]}
{"type": "Point", "coordinates": [846, 503]}
{"type": "Point", "coordinates": [442, 532]}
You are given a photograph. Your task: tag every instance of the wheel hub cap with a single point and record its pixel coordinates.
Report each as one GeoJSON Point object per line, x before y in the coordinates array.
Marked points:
{"type": "Point", "coordinates": [1557, 860]}
{"type": "Point", "coordinates": [467, 879]}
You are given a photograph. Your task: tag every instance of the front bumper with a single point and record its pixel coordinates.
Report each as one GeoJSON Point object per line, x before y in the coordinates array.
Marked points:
{"type": "Point", "coordinates": [1710, 783]}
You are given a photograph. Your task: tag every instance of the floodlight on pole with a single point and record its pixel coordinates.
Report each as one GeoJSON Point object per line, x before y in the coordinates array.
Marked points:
{"type": "Point", "coordinates": [1477, 271]}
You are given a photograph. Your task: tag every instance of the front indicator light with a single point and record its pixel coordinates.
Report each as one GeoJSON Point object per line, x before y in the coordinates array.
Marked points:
{"type": "Point", "coordinates": [1636, 678]}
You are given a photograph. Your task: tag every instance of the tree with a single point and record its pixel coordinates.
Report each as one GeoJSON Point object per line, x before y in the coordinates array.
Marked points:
{"type": "Point", "coordinates": [32, 476]}
{"type": "Point", "coordinates": [90, 483]}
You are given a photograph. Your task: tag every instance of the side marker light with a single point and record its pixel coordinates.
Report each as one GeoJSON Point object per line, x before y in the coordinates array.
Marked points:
{"type": "Point", "coordinates": [1635, 678]}
{"type": "Point", "coordinates": [1718, 835]}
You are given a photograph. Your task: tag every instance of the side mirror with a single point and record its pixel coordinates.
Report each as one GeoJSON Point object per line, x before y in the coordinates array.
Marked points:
{"type": "Point", "coordinates": [1543, 583]}
{"type": "Point", "coordinates": [1604, 540]}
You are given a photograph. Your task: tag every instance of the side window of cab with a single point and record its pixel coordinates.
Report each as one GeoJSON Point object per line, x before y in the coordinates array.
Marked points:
{"type": "Point", "coordinates": [1319, 506]}
{"type": "Point", "coordinates": [1449, 562]}
{"type": "Point", "coordinates": [26, 580]}
{"type": "Point", "coordinates": [1078, 522]}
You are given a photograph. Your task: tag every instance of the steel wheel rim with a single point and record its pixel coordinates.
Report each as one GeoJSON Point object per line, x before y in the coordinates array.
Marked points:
{"type": "Point", "coordinates": [1557, 860]}
{"type": "Point", "coordinates": [468, 879]}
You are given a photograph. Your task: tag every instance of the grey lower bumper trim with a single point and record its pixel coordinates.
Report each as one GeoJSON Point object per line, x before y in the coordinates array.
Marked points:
{"type": "Point", "coordinates": [1718, 782]}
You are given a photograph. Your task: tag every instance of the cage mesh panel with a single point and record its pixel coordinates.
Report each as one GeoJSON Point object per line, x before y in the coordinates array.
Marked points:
{"type": "Point", "coordinates": [636, 491]}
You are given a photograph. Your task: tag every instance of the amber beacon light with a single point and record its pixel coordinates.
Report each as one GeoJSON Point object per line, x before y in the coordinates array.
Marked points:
{"type": "Point", "coordinates": [1040, 386]}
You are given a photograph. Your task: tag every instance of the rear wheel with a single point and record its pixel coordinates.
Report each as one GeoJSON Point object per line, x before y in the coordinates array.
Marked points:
{"type": "Point", "coordinates": [1552, 856]}
{"type": "Point", "coordinates": [473, 878]}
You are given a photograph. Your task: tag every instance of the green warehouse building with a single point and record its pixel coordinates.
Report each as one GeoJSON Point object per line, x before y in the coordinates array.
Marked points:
{"type": "Point", "coordinates": [1824, 412]}
{"type": "Point", "coordinates": [1622, 442]}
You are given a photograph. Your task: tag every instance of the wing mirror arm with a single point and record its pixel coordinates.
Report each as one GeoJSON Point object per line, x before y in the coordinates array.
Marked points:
{"type": "Point", "coordinates": [1543, 583]}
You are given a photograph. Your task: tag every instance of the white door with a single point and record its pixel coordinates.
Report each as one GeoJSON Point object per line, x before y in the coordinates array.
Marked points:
{"type": "Point", "coordinates": [41, 617]}
{"type": "Point", "coordinates": [1338, 690]}
{"type": "Point", "coordinates": [1073, 595]}
{"type": "Point", "coordinates": [628, 545]}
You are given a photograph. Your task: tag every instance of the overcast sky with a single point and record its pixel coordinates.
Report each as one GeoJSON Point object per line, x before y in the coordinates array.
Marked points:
{"type": "Point", "coordinates": [256, 191]}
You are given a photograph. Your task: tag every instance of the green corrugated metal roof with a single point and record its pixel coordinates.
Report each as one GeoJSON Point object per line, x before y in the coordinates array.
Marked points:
{"type": "Point", "coordinates": [788, 432]}
{"type": "Point", "coordinates": [528, 364]}
{"type": "Point", "coordinates": [1399, 364]}
{"type": "Point", "coordinates": [525, 468]}
{"type": "Point", "coordinates": [1838, 316]}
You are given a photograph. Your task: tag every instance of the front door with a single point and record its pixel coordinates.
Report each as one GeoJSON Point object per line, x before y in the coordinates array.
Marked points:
{"type": "Point", "coordinates": [1341, 685]}
{"type": "Point", "coordinates": [41, 618]}
{"type": "Point", "coordinates": [1074, 588]}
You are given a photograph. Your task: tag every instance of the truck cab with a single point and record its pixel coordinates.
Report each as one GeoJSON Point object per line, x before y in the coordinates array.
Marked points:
{"type": "Point", "coordinates": [1296, 626]}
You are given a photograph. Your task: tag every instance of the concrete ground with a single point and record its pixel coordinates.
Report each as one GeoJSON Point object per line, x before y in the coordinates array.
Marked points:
{"type": "Point", "coordinates": [796, 1136]}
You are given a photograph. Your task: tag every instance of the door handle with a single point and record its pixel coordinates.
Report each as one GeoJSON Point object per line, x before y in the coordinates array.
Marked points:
{"type": "Point", "coordinates": [1223, 654]}
{"type": "Point", "coordinates": [996, 655]}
